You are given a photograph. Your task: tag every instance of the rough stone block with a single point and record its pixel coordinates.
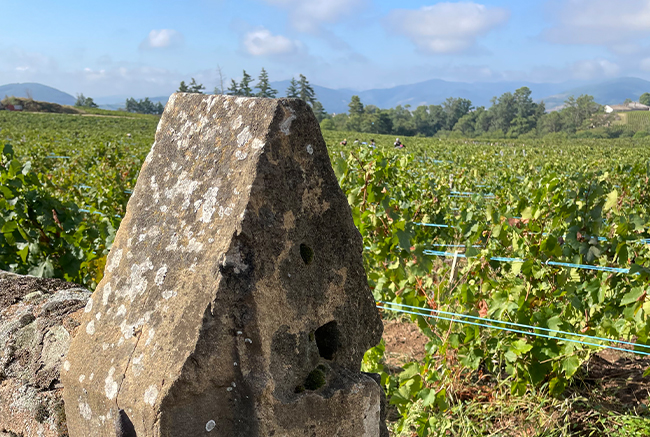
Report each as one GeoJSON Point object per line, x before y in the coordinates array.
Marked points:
{"type": "Point", "coordinates": [38, 319]}
{"type": "Point", "coordinates": [234, 301]}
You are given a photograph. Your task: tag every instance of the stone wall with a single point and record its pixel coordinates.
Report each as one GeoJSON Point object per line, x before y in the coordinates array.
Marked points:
{"type": "Point", "coordinates": [38, 319]}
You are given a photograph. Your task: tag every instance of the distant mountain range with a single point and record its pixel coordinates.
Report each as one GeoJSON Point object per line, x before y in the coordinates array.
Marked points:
{"type": "Point", "coordinates": [38, 92]}
{"type": "Point", "coordinates": [431, 92]}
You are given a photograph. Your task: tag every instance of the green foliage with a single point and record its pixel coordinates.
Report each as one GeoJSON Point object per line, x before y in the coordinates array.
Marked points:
{"type": "Point", "coordinates": [193, 87]}
{"type": "Point", "coordinates": [292, 90]}
{"type": "Point", "coordinates": [43, 236]}
{"type": "Point", "coordinates": [60, 167]}
{"type": "Point", "coordinates": [144, 106]}
{"type": "Point", "coordinates": [245, 85]}
{"type": "Point", "coordinates": [549, 206]}
{"type": "Point", "coordinates": [264, 87]}
{"type": "Point", "coordinates": [305, 91]}
{"type": "Point", "coordinates": [85, 102]}
{"type": "Point", "coordinates": [645, 99]}
{"type": "Point", "coordinates": [552, 199]}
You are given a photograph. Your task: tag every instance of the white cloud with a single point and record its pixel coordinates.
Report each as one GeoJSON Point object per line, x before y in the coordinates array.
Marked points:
{"type": "Point", "coordinates": [261, 42]}
{"type": "Point", "coordinates": [594, 69]}
{"type": "Point", "coordinates": [162, 38]}
{"type": "Point", "coordinates": [599, 22]}
{"type": "Point", "coordinates": [446, 27]}
{"type": "Point", "coordinates": [307, 15]}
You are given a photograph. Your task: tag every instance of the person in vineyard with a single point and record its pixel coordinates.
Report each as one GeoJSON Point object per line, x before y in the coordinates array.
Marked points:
{"type": "Point", "coordinates": [344, 142]}
{"type": "Point", "coordinates": [398, 144]}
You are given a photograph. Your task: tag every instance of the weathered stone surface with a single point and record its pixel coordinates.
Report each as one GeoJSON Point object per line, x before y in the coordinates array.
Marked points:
{"type": "Point", "coordinates": [234, 301]}
{"type": "Point", "coordinates": [38, 319]}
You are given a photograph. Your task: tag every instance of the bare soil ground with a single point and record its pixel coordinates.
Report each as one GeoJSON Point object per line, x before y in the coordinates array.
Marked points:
{"type": "Point", "coordinates": [610, 382]}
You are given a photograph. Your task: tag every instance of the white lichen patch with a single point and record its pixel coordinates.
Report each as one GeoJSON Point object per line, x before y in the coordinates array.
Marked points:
{"type": "Point", "coordinates": [183, 188]}
{"type": "Point", "coordinates": [244, 137]}
{"type": "Point", "coordinates": [90, 327]}
{"type": "Point", "coordinates": [257, 144]}
{"type": "Point", "coordinates": [114, 258]}
{"type": "Point", "coordinates": [89, 306]}
{"type": "Point", "coordinates": [137, 366]}
{"type": "Point", "coordinates": [110, 385]}
{"type": "Point", "coordinates": [224, 211]}
{"type": "Point", "coordinates": [285, 126]}
{"type": "Point", "coordinates": [85, 411]}
{"type": "Point", "coordinates": [121, 311]}
{"type": "Point", "coordinates": [210, 425]}
{"type": "Point", "coordinates": [310, 149]}
{"type": "Point", "coordinates": [236, 123]}
{"type": "Point", "coordinates": [137, 283]}
{"type": "Point", "coordinates": [209, 204]}
{"type": "Point", "coordinates": [168, 294]}
{"type": "Point", "coordinates": [241, 155]}
{"type": "Point", "coordinates": [106, 293]}
{"type": "Point", "coordinates": [160, 275]}
{"type": "Point", "coordinates": [82, 378]}
{"type": "Point", "coordinates": [150, 395]}
{"type": "Point", "coordinates": [152, 333]}
{"type": "Point", "coordinates": [66, 365]}
{"type": "Point", "coordinates": [98, 316]}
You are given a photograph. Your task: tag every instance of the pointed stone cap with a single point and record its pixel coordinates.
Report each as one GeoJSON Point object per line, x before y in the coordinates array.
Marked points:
{"type": "Point", "coordinates": [234, 301]}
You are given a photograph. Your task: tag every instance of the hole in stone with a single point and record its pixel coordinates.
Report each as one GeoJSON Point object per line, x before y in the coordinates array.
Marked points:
{"type": "Point", "coordinates": [124, 426]}
{"type": "Point", "coordinates": [306, 253]}
{"type": "Point", "coordinates": [327, 340]}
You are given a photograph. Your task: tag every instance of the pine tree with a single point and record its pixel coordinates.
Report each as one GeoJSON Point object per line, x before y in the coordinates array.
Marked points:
{"type": "Point", "coordinates": [264, 86]}
{"type": "Point", "coordinates": [306, 92]}
{"type": "Point", "coordinates": [196, 88]}
{"type": "Point", "coordinates": [183, 88]}
{"type": "Point", "coordinates": [319, 111]}
{"type": "Point", "coordinates": [244, 86]}
{"type": "Point", "coordinates": [355, 105]}
{"type": "Point", "coordinates": [292, 91]}
{"type": "Point", "coordinates": [234, 88]}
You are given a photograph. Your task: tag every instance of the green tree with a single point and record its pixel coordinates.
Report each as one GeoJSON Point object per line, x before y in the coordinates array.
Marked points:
{"type": "Point", "coordinates": [577, 112]}
{"type": "Point", "coordinates": [455, 109]}
{"type": "Point", "coordinates": [292, 91]}
{"type": "Point", "coordinates": [233, 90]}
{"type": "Point", "coordinates": [183, 88]}
{"type": "Point", "coordinates": [319, 111]}
{"type": "Point", "coordinates": [305, 91]}
{"type": "Point", "coordinates": [85, 102]}
{"type": "Point", "coordinates": [245, 85]}
{"type": "Point", "coordinates": [356, 107]}
{"type": "Point", "coordinates": [196, 88]}
{"type": "Point", "coordinates": [264, 87]}
{"type": "Point", "coordinates": [645, 99]}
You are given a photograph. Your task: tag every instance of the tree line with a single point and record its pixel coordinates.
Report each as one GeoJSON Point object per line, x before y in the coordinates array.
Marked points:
{"type": "Point", "coordinates": [298, 89]}
{"type": "Point", "coordinates": [511, 115]}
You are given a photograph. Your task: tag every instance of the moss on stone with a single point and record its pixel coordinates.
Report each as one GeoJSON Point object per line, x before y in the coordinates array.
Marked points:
{"type": "Point", "coordinates": [315, 380]}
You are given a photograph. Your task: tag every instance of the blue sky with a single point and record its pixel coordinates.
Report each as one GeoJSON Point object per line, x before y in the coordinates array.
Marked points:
{"type": "Point", "coordinates": [145, 48]}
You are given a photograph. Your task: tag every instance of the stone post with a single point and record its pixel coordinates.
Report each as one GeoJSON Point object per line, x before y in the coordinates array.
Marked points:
{"type": "Point", "coordinates": [234, 301]}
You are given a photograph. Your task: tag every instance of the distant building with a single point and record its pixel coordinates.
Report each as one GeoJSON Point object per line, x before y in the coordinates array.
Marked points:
{"type": "Point", "coordinates": [626, 107]}
{"type": "Point", "coordinates": [14, 107]}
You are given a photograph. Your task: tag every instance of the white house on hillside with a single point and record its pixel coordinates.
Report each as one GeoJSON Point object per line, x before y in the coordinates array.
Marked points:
{"type": "Point", "coordinates": [625, 107]}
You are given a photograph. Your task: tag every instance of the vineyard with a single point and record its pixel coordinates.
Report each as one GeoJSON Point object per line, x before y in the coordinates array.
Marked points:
{"type": "Point", "coordinates": [517, 260]}
{"type": "Point", "coordinates": [636, 120]}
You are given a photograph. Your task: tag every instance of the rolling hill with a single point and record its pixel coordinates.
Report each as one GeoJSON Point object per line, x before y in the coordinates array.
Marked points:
{"type": "Point", "coordinates": [606, 93]}
{"type": "Point", "coordinates": [429, 92]}
{"type": "Point", "coordinates": [37, 91]}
